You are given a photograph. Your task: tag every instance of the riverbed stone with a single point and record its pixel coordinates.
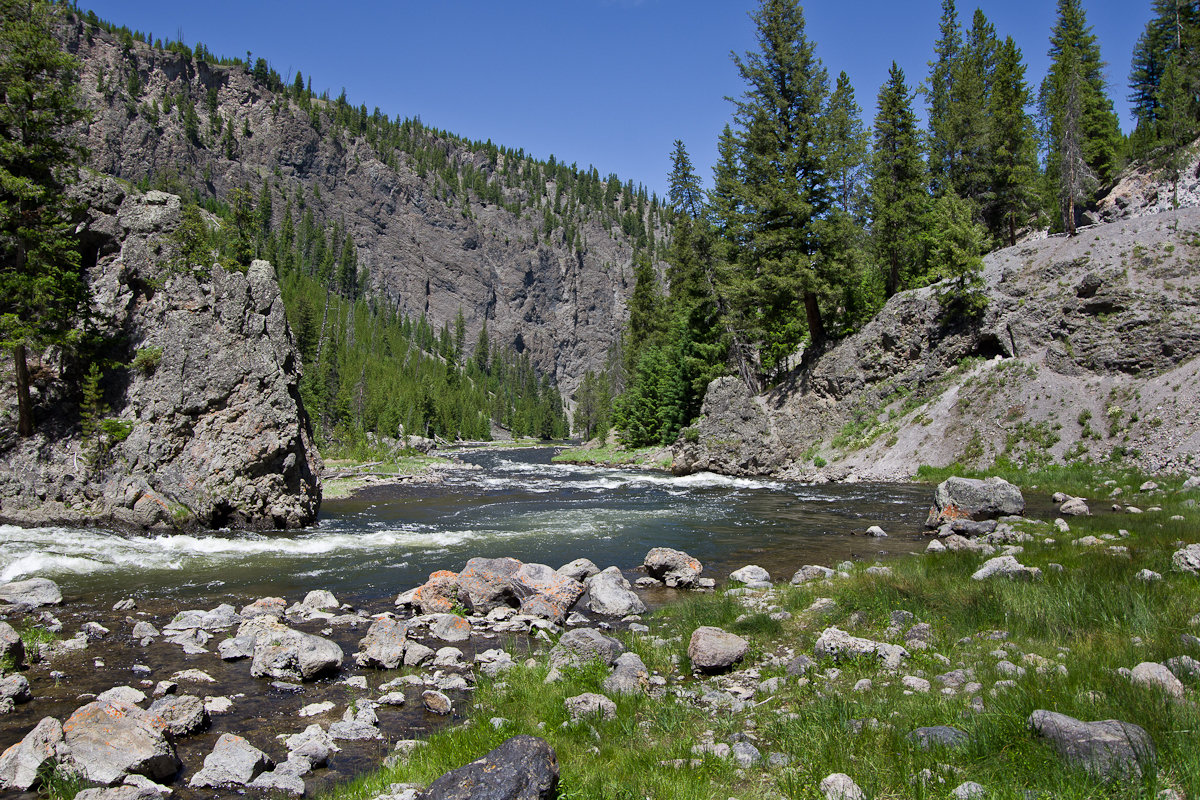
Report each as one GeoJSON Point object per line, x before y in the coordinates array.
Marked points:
{"type": "Point", "coordinates": [580, 569]}
{"type": "Point", "coordinates": [438, 595]}
{"type": "Point", "coordinates": [450, 628]}
{"type": "Point", "coordinates": [1075, 507]}
{"type": "Point", "coordinates": [1152, 675]}
{"type": "Point", "coordinates": [1007, 567]}
{"type": "Point", "coordinates": [280, 652]}
{"type": "Point", "coordinates": [265, 606]}
{"type": "Point", "coordinates": [313, 743]}
{"type": "Point", "coordinates": [609, 594]}
{"type": "Point", "coordinates": [522, 768]}
{"type": "Point", "coordinates": [357, 724]}
{"type": "Point", "coordinates": [589, 704]}
{"type": "Point", "coordinates": [436, 702]}
{"type": "Point", "coordinates": [545, 592]}
{"type": "Point", "coordinates": [31, 593]}
{"type": "Point", "coordinates": [486, 583]}
{"type": "Point", "coordinates": [21, 762]}
{"type": "Point", "coordinates": [580, 646]}
{"type": "Point", "coordinates": [122, 694]}
{"type": "Point", "coordinates": [233, 762]}
{"type": "Point", "coordinates": [384, 644]}
{"type": "Point", "coordinates": [935, 736]}
{"type": "Point", "coordinates": [183, 714]}
{"type": "Point", "coordinates": [750, 574]}
{"type": "Point", "coordinates": [1187, 559]}
{"type": "Point", "coordinates": [714, 650]}
{"type": "Point", "coordinates": [109, 740]}
{"type": "Point", "coordinates": [969, 498]}
{"type": "Point", "coordinates": [12, 648]}
{"type": "Point", "coordinates": [812, 572]}
{"type": "Point", "coordinates": [15, 689]}
{"type": "Point", "coordinates": [629, 675]}
{"type": "Point", "coordinates": [675, 568]}
{"type": "Point", "coordinates": [840, 786]}
{"type": "Point", "coordinates": [1109, 748]}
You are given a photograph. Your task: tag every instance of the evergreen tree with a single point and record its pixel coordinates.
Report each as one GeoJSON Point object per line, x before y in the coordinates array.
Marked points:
{"type": "Point", "coordinates": [42, 286]}
{"type": "Point", "coordinates": [685, 194]}
{"type": "Point", "coordinates": [972, 76]}
{"type": "Point", "coordinates": [1076, 180]}
{"type": "Point", "coordinates": [956, 254]}
{"type": "Point", "coordinates": [1012, 198]}
{"type": "Point", "coordinates": [1174, 29]}
{"type": "Point", "coordinates": [938, 90]}
{"type": "Point", "coordinates": [846, 150]}
{"type": "Point", "coordinates": [1177, 123]}
{"type": "Point", "coordinates": [785, 191]}
{"type": "Point", "coordinates": [898, 181]}
{"type": "Point", "coordinates": [1077, 70]}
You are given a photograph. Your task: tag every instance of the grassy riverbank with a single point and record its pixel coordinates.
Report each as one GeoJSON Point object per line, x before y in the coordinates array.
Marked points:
{"type": "Point", "coordinates": [345, 476]}
{"type": "Point", "coordinates": [1069, 633]}
{"type": "Point", "coordinates": [614, 455]}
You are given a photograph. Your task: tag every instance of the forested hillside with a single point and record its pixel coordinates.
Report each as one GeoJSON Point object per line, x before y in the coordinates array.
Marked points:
{"type": "Point", "coordinates": [383, 231]}
{"type": "Point", "coordinates": [813, 220]}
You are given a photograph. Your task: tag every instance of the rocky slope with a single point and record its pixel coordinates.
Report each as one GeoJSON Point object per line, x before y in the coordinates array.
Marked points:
{"type": "Point", "coordinates": [1087, 350]}
{"type": "Point", "coordinates": [204, 420]}
{"type": "Point", "coordinates": [425, 253]}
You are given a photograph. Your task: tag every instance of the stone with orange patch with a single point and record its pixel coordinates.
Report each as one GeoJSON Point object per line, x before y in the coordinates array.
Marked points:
{"type": "Point", "coordinates": [109, 740]}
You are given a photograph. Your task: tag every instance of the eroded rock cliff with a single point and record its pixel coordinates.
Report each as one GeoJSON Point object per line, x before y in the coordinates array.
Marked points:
{"type": "Point", "coordinates": [1088, 350]}
{"type": "Point", "coordinates": [204, 420]}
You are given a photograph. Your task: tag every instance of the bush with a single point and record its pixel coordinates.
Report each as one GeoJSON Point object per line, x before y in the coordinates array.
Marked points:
{"type": "Point", "coordinates": [147, 359]}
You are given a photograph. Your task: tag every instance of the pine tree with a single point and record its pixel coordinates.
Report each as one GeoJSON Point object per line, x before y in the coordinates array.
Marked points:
{"type": "Point", "coordinates": [1012, 198]}
{"type": "Point", "coordinates": [1076, 180]}
{"type": "Point", "coordinates": [846, 150]}
{"type": "Point", "coordinates": [938, 90]}
{"type": "Point", "coordinates": [42, 287]}
{"type": "Point", "coordinates": [785, 191]}
{"type": "Point", "coordinates": [1177, 123]}
{"type": "Point", "coordinates": [898, 181]}
{"type": "Point", "coordinates": [972, 75]}
{"type": "Point", "coordinates": [1174, 28]}
{"type": "Point", "coordinates": [1076, 67]}
{"type": "Point", "coordinates": [685, 194]}
{"type": "Point", "coordinates": [955, 253]}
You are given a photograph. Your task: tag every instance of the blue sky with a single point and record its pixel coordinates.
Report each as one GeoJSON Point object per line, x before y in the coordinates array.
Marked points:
{"type": "Point", "coordinates": [610, 83]}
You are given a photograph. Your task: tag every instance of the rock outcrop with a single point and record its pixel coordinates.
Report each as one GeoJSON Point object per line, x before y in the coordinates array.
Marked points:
{"type": "Point", "coordinates": [1085, 350]}
{"type": "Point", "coordinates": [205, 426]}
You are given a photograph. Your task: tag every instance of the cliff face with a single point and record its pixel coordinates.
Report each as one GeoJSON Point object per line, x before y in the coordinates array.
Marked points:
{"type": "Point", "coordinates": [1088, 349]}
{"type": "Point", "coordinates": [205, 425]}
{"type": "Point", "coordinates": [564, 305]}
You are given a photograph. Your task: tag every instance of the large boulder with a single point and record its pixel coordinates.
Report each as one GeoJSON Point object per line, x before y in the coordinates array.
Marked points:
{"type": "Point", "coordinates": [183, 714]}
{"type": "Point", "coordinates": [438, 595]}
{"type": "Point", "coordinates": [287, 654]}
{"type": "Point", "coordinates": [384, 644]}
{"type": "Point", "coordinates": [486, 583]}
{"type": "Point", "coordinates": [1108, 748]}
{"type": "Point", "coordinates": [32, 593]}
{"type": "Point", "coordinates": [582, 645]}
{"type": "Point", "coordinates": [233, 762]}
{"type": "Point", "coordinates": [674, 568]}
{"type": "Point", "coordinates": [1006, 567]}
{"type": "Point", "coordinates": [1187, 559]}
{"type": "Point", "coordinates": [969, 498]}
{"type": "Point", "coordinates": [109, 740]}
{"type": "Point", "coordinates": [22, 762]}
{"type": "Point", "coordinates": [610, 595]}
{"type": "Point", "coordinates": [714, 650]}
{"type": "Point", "coordinates": [545, 592]}
{"type": "Point", "coordinates": [522, 768]}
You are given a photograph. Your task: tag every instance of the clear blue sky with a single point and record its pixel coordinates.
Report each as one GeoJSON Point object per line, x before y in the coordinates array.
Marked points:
{"type": "Point", "coordinates": [610, 83]}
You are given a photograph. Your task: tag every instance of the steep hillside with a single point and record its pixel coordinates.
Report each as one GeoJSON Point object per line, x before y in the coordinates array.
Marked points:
{"type": "Point", "coordinates": [540, 251]}
{"type": "Point", "coordinates": [1087, 350]}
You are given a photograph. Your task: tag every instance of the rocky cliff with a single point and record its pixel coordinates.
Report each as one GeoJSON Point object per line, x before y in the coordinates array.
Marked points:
{"type": "Point", "coordinates": [200, 422]}
{"type": "Point", "coordinates": [423, 249]}
{"type": "Point", "coordinates": [1088, 350]}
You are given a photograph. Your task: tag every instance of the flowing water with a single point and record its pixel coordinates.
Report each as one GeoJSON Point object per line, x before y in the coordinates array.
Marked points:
{"type": "Point", "coordinates": [505, 502]}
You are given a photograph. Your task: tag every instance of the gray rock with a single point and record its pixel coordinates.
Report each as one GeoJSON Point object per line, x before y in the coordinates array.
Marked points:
{"type": "Point", "coordinates": [522, 768]}
{"type": "Point", "coordinates": [42, 746]}
{"type": "Point", "coordinates": [1181, 667]}
{"type": "Point", "coordinates": [436, 703]}
{"type": "Point", "coordinates": [122, 694]}
{"type": "Point", "coordinates": [15, 688]}
{"type": "Point", "coordinates": [580, 646]}
{"type": "Point", "coordinates": [450, 628]}
{"type": "Point", "coordinates": [287, 777]}
{"type": "Point", "coordinates": [745, 754]}
{"type": "Point", "coordinates": [125, 792]}
{"type": "Point", "coordinates": [580, 569]}
{"type": "Point", "coordinates": [265, 606]}
{"type": "Point", "coordinates": [938, 736]}
{"type": "Point", "coordinates": [544, 592]}
{"type": "Point", "coordinates": [280, 652]}
{"type": "Point", "coordinates": [416, 654]}
{"type": "Point", "coordinates": [233, 762]}
{"type": "Point", "coordinates": [183, 714]}
{"type": "Point", "coordinates": [974, 499]}
{"type": "Point", "coordinates": [840, 786]}
{"type": "Point", "coordinates": [31, 593]}
{"type": "Point", "coordinates": [12, 649]}
{"type": "Point", "coordinates": [714, 650]}
{"type": "Point", "coordinates": [1187, 559]}
{"type": "Point", "coordinates": [313, 744]}
{"type": "Point", "coordinates": [109, 740]}
{"type": "Point", "coordinates": [1007, 567]}
{"type": "Point", "coordinates": [589, 704]}
{"type": "Point", "coordinates": [675, 568]}
{"type": "Point", "coordinates": [144, 630]}
{"type": "Point", "coordinates": [628, 676]}
{"type": "Point", "coordinates": [812, 572]}
{"type": "Point", "coordinates": [357, 724]}
{"type": "Point", "coordinates": [1109, 748]}
{"type": "Point", "coordinates": [1152, 675]}
{"type": "Point", "coordinates": [609, 594]}
{"type": "Point", "coordinates": [1075, 507]}
{"type": "Point", "coordinates": [750, 574]}
{"type": "Point", "coordinates": [876, 532]}
{"type": "Point", "coordinates": [486, 583]}
{"type": "Point", "coordinates": [969, 790]}
{"type": "Point", "coordinates": [384, 644]}
{"type": "Point", "coordinates": [221, 617]}
{"type": "Point", "coordinates": [837, 644]}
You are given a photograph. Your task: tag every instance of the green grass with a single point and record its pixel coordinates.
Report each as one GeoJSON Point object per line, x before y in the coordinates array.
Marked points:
{"type": "Point", "coordinates": [1092, 618]}
{"type": "Point", "coordinates": [614, 455]}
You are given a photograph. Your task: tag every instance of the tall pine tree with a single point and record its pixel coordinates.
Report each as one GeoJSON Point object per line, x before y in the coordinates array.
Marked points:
{"type": "Point", "coordinates": [1012, 198]}
{"type": "Point", "coordinates": [939, 96]}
